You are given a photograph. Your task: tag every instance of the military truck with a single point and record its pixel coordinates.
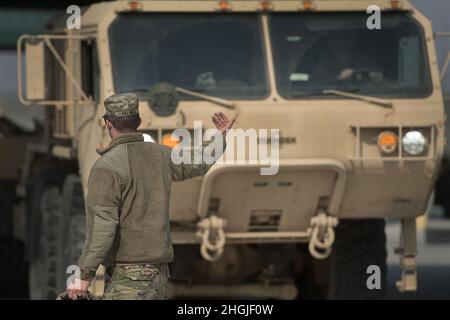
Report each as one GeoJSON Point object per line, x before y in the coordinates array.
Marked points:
{"type": "Point", "coordinates": [361, 134]}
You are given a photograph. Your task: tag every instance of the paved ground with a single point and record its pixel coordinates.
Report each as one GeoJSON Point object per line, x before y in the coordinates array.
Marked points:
{"type": "Point", "coordinates": [433, 259]}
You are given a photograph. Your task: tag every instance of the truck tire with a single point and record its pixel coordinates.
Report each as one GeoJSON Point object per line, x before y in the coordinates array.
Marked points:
{"type": "Point", "coordinates": [446, 205]}
{"type": "Point", "coordinates": [75, 239]}
{"type": "Point", "coordinates": [74, 208]}
{"type": "Point", "coordinates": [442, 189]}
{"type": "Point", "coordinates": [35, 247]}
{"type": "Point", "coordinates": [13, 269]}
{"type": "Point", "coordinates": [60, 236]}
{"type": "Point", "coordinates": [358, 245]}
{"type": "Point", "coordinates": [45, 268]}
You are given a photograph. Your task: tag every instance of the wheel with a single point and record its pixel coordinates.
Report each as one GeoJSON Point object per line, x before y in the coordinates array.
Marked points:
{"type": "Point", "coordinates": [446, 205]}
{"type": "Point", "coordinates": [310, 275]}
{"type": "Point", "coordinates": [74, 208]}
{"type": "Point", "coordinates": [35, 249]}
{"type": "Point", "coordinates": [358, 245]}
{"type": "Point", "coordinates": [13, 269]}
{"type": "Point", "coordinates": [45, 268]}
{"type": "Point", "coordinates": [442, 188]}
{"type": "Point", "coordinates": [75, 239]}
{"type": "Point", "coordinates": [60, 237]}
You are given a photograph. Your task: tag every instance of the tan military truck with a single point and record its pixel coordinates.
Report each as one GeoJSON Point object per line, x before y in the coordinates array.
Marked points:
{"type": "Point", "coordinates": [361, 132]}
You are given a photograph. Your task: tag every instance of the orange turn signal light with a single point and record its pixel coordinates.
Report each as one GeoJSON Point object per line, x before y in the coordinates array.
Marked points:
{"type": "Point", "coordinates": [395, 4]}
{"type": "Point", "coordinates": [308, 5]}
{"type": "Point", "coordinates": [224, 5]}
{"type": "Point", "coordinates": [266, 6]}
{"type": "Point", "coordinates": [135, 5]}
{"type": "Point", "coordinates": [387, 141]}
{"type": "Point", "coordinates": [169, 140]}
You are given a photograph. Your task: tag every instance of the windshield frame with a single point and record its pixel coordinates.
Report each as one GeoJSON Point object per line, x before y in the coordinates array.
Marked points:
{"type": "Point", "coordinates": [269, 87]}
{"type": "Point", "coordinates": [323, 96]}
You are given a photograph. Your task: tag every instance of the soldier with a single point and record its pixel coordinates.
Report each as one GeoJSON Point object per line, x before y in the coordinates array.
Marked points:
{"type": "Point", "coordinates": [127, 207]}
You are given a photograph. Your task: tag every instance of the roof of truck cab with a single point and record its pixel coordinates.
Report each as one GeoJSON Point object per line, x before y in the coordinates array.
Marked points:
{"type": "Point", "coordinates": [96, 12]}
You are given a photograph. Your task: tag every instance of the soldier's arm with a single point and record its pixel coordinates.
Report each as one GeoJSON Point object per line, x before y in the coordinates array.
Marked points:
{"type": "Point", "coordinates": [201, 158]}
{"type": "Point", "coordinates": [102, 211]}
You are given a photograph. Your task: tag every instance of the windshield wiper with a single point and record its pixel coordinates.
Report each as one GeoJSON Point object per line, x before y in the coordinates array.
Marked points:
{"type": "Point", "coordinates": [377, 101]}
{"type": "Point", "coordinates": [222, 102]}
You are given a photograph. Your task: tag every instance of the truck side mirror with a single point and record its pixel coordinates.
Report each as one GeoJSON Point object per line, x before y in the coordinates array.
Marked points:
{"type": "Point", "coordinates": [41, 54]}
{"type": "Point", "coordinates": [35, 71]}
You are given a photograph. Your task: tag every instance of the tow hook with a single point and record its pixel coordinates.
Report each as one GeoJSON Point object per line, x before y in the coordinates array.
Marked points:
{"type": "Point", "coordinates": [210, 230]}
{"type": "Point", "coordinates": [322, 235]}
{"type": "Point", "coordinates": [407, 251]}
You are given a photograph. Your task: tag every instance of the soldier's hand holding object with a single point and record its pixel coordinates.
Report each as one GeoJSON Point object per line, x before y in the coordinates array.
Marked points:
{"type": "Point", "coordinates": [77, 289]}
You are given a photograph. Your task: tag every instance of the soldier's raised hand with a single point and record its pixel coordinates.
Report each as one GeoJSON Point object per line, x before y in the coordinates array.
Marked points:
{"type": "Point", "coordinates": [222, 122]}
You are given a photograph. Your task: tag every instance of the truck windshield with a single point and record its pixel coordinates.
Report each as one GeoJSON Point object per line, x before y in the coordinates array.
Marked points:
{"type": "Point", "coordinates": [220, 55]}
{"type": "Point", "coordinates": [314, 52]}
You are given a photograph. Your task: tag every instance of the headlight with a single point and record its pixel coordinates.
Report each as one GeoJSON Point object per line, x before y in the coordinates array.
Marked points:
{"type": "Point", "coordinates": [414, 142]}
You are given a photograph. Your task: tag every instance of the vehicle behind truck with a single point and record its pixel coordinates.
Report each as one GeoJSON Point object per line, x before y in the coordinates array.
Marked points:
{"type": "Point", "coordinates": [360, 116]}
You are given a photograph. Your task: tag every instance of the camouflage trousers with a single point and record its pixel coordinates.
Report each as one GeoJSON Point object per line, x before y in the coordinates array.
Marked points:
{"type": "Point", "coordinates": [136, 282]}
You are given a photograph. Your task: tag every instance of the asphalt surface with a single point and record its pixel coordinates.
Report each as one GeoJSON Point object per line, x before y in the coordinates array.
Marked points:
{"type": "Point", "coordinates": [433, 259]}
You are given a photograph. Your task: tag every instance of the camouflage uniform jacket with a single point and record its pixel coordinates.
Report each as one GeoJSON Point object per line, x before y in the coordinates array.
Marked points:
{"type": "Point", "coordinates": [127, 205]}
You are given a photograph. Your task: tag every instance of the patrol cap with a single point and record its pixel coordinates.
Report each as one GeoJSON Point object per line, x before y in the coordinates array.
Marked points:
{"type": "Point", "coordinates": [122, 105]}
